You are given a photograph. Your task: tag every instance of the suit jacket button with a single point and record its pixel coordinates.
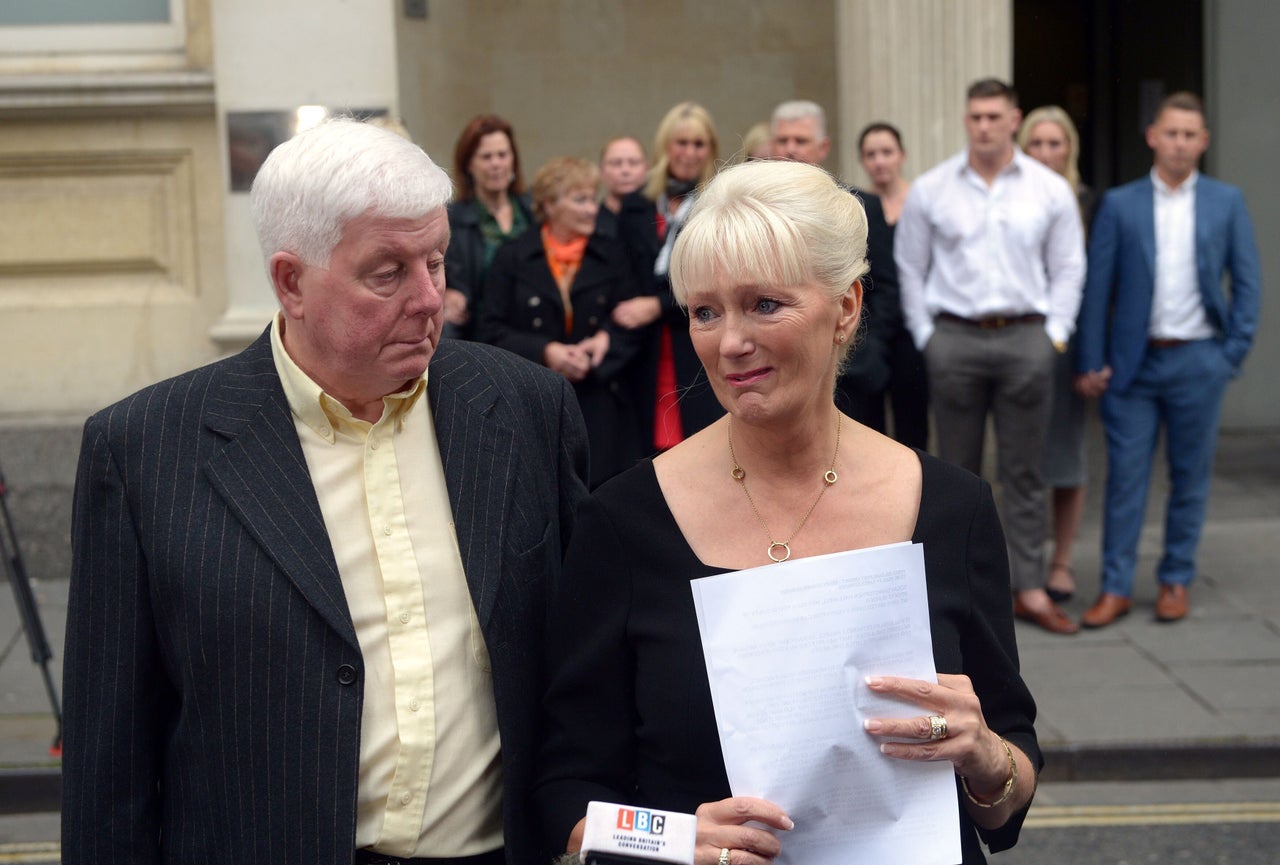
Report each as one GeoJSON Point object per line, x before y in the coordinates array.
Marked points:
{"type": "Point", "coordinates": [346, 675]}
{"type": "Point", "coordinates": [537, 322]}
{"type": "Point", "coordinates": [535, 301]}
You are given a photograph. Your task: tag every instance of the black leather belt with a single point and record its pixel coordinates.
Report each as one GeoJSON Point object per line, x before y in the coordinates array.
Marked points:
{"type": "Point", "coordinates": [994, 322]}
{"type": "Point", "coordinates": [1167, 343]}
{"type": "Point", "coordinates": [369, 857]}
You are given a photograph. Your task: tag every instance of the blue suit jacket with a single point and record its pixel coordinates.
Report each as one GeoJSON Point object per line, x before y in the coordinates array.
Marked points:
{"type": "Point", "coordinates": [213, 679]}
{"type": "Point", "coordinates": [1116, 309]}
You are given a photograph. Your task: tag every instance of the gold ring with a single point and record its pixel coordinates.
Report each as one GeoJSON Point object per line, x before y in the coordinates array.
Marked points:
{"type": "Point", "coordinates": [937, 728]}
{"type": "Point", "coordinates": [724, 856]}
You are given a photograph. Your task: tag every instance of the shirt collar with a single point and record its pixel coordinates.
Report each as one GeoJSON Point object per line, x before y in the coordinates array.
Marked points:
{"type": "Point", "coordinates": [323, 413]}
{"type": "Point", "coordinates": [1163, 188]}
{"type": "Point", "coordinates": [1014, 166]}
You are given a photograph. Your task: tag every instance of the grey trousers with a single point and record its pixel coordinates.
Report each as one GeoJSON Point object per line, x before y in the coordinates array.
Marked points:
{"type": "Point", "coordinates": [1007, 373]}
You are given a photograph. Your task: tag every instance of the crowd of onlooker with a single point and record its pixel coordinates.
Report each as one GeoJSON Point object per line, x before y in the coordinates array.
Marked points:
{"type": "Point", "coordinates": [571, 271]}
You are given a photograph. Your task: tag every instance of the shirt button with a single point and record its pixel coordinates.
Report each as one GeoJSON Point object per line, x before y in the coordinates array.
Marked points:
{"type": "Point", "coordinates": [325, 431]}
{"type": "Point", "coordinates": [386, 530]}
{"type": "Point", "coordinates": [374, 444]}
{"type": "Point", "coordinates": [406, 798]}
{"type": "Point", "coordinates": [414, 705]}
{"type": "Point", "coordinates": [404, 617]}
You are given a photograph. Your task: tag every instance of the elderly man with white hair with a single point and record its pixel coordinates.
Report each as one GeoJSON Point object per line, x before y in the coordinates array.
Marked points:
{"type": "Point", "coordinates": [306, 600]}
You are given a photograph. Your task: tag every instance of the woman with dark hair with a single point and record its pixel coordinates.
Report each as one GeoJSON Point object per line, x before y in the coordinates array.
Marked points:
{"type": "Point", "coordinates": [489, 209]}
{"type": "Point", "coordinates": [675, 400]}
{"type": "Point", "coordinates": [880, 149]}
{"type": "Point", "coordinates": [548, 297]}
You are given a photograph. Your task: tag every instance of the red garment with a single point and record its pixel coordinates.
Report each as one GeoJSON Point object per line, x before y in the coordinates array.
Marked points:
{"type": "Point", "coordinates": [668, 431]}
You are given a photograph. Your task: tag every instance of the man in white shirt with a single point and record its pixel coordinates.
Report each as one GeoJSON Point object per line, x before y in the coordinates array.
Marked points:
{"type": "Point", "coordinates": [990, 255]}
{"type": "Point", "coordinates": [1159, 340]}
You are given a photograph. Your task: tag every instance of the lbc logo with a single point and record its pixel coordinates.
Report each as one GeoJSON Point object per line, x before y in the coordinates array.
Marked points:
{"type": "Point", "coordinates": [641, 821]}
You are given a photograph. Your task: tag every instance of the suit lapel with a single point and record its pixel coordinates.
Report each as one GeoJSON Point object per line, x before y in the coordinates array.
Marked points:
{"type": "Point", "coordinates": [479, 459]}
{"type": "Point", "coordinates": [1203, 217]}
{"type": "Point", "coordinates": [262, 474]}
{"type": "Point", "coordinates": [1147, 226]}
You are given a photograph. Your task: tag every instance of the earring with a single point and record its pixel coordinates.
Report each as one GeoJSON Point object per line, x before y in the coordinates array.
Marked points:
{"type": "Point", "coordinates": [841, 338]}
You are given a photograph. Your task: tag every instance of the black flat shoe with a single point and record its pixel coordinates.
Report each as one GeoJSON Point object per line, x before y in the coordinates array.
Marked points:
{"type": "Point", "coordinates": [1060, 596]}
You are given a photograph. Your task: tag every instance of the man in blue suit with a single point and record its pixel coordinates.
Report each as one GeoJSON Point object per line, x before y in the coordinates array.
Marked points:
{"type": "Point", "coordinates": [1159, 340]}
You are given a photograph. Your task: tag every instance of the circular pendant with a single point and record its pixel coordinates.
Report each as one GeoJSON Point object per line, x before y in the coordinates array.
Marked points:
{"type": "Point", "coordinates": [778, 545]}
{"type": "Point", "coordinates": [830, 477]}
{"type": "Point", "coordinates": [738, 474]}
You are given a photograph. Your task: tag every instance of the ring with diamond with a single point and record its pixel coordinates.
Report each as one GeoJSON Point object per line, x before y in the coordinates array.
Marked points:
{"type": "Point", "coordinates": [937, 728]}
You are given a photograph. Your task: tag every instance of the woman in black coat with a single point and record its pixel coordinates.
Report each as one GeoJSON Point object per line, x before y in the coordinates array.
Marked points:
{"type": "Point", "coordinates": [675, 399]}
{"type": "Point", "coordinates": [490, 209]}
{"type": "Point", "coordinates": [549, 297]}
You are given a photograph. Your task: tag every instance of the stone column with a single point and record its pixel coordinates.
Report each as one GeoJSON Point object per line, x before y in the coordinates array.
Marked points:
{"type": "Point", "coordinates": [909, 62]}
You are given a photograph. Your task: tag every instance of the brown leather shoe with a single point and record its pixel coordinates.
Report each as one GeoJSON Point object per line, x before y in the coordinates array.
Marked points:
{"type": "Point", "coordinates": [1052, 620]}
{"type": "Point", "coordinates": [1172, 603]}
{"type": "Point", "coordinates": [1105, 610]}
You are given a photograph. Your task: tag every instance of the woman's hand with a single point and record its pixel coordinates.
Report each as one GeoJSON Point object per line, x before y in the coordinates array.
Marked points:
{"type": "Point", "coordinates": [1092, 385]}
{"type": "Point", "coordinates": [637, 312]}
{"type": "Point", "coordinates": [571, 361]}
{"type": "Point", "coordinates": [455, 307]}
{"type": "Point", "coordinates": [722, 826]}
{"type": "Point", "coordinates": [977, 752]}
{"type": "Point", "coordinates": [596, 346]}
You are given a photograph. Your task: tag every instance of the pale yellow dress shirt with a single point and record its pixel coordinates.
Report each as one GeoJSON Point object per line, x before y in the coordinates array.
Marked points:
{"type": "Point", "coordinates": [430, 766]}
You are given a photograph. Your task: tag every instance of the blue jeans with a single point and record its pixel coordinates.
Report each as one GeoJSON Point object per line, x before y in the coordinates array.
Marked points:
{"type": "Point", "coordinates": [1180, 387]}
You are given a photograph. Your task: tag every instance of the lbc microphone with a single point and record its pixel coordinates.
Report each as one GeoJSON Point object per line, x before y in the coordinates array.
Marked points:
{"type": "Point", "coordinates": [623, 835]}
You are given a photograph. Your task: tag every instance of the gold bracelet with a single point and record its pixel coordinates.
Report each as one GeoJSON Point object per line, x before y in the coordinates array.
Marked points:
{"type": "Point", "coordinates": [1008, 785]}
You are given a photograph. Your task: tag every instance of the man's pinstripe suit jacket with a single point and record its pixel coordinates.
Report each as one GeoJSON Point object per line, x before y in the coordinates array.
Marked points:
{"type": "Point", "coordinates": [213, 682]}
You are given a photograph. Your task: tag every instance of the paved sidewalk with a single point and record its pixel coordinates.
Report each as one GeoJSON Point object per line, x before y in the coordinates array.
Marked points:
{"type": "Point", "coordinates": [1137, 700]}
{"type": "Point", "coordinates": [1196, 698]}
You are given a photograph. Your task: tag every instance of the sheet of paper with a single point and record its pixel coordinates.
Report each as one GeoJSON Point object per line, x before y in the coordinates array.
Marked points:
{"type": "Point", "coordinates": [787, 649]}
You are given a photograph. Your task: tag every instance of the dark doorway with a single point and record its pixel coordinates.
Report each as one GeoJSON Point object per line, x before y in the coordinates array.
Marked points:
{"type": "Point", "coordinates": [1108, 63]}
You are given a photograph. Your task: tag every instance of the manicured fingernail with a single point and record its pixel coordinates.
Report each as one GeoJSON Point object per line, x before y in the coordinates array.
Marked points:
{"type": "Point", "coordinates": [871, 725]}
{"type": "Point", "coordinates": [874, 681]}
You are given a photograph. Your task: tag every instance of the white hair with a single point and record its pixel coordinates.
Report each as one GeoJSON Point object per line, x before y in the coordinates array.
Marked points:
{"type": "Point", "coordinates": [312, 185]}
{"type": "Point", "coordinates": [799, 109]}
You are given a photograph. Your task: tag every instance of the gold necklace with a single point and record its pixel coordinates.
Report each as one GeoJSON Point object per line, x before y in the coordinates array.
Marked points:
{"type": "Point", "coordinates": [829, 477]}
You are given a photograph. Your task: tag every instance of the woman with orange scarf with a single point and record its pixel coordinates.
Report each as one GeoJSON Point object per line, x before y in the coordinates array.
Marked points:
{"type": "Point", "coordinates": [549, 297]}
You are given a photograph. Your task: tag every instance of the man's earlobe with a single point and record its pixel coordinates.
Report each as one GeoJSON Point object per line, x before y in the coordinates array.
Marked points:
{"type": "Point", "coordinates": [285, 269]}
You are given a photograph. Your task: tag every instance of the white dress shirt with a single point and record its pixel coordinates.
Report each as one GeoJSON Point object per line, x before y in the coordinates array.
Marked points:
{"type": "Point", "coordinates": [1015, 247]}
{"type": "Point", "coordinates": [1177, 307]}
